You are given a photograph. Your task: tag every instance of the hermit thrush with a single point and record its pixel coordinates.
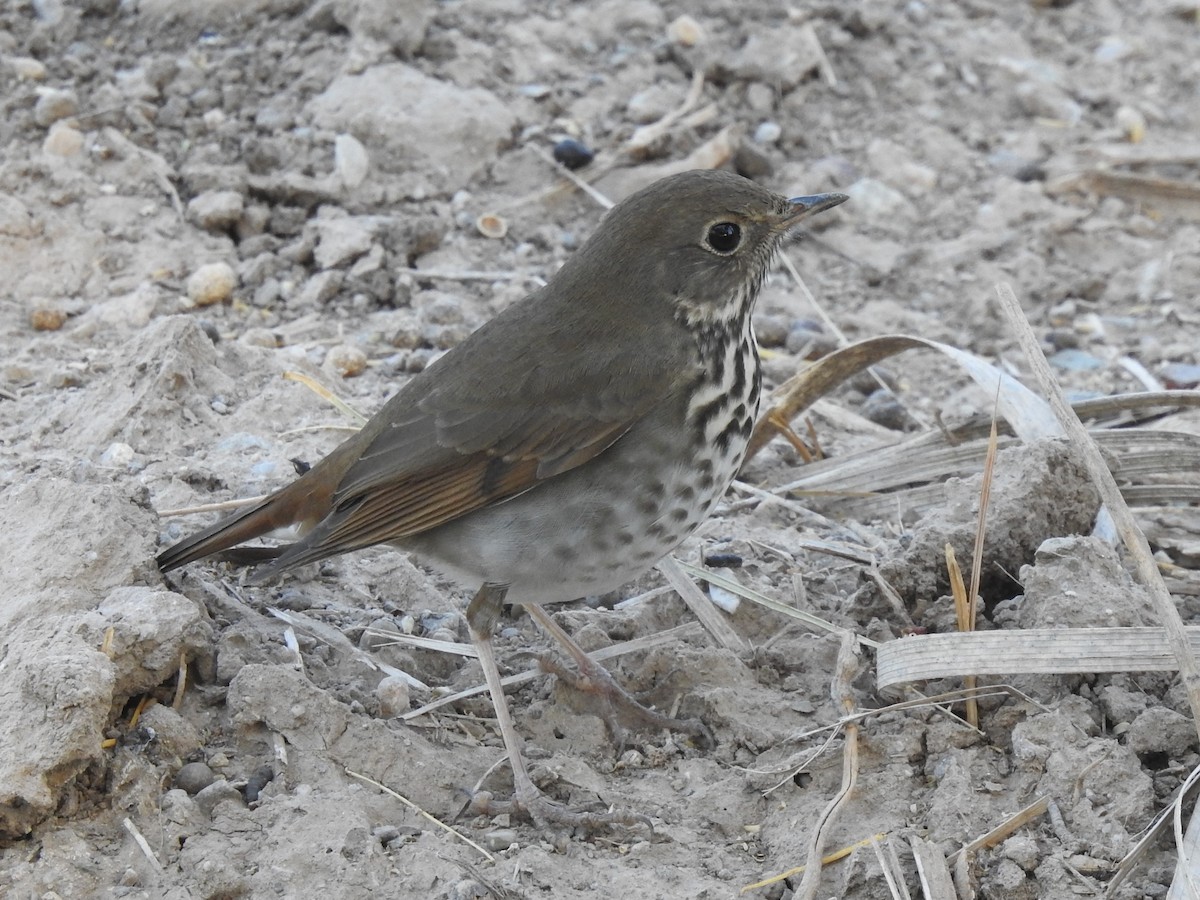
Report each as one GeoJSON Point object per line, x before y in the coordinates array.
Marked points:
{"type": "Point", "coordinates": [575, 439]}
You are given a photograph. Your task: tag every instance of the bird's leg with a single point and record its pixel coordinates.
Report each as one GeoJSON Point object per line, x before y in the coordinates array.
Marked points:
{"type": "Point", "coordinates": [482, 615]}
{"type": "Point", "coordinates": [595, 679]}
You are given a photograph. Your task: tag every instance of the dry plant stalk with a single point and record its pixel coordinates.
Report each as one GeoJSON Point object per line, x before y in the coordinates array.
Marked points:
{"type": "Point", "coordinates": [1132, 536]}
{"type": "Point", "coordinates": [934, 874]}
{"type": "Point", "coordinates": [843, 695]}
{"type": "Point", "coordinates": [967, 603]}
{"type": "Point", "coordinates": [701, 607]}
{"type": "Point", "coordinates": [1028, 651]}
{"type": "Point", "coordinates": [327, 395]}
{"type": "Point", "coordinates": [893, 872]}
{"type": "Point", "coordinates": [964, 614]}
{"type": "Point", "coordinates": [415, 808]}
{"type": "Point", "coordinates": [180, 682]}
{"type": "Point", "coordinates": [1018, 819]}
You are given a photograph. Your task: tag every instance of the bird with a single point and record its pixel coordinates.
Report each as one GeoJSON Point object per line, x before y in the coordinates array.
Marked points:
{"type": "Point", "coordinates": [569, 443]}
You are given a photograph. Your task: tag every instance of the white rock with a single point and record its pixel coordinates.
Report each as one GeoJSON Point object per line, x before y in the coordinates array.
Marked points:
{"type": "Point", "coordinates": [393, 694]}
{"type": "Point", "coordinates": [345, 361]}
{"type": "Point", "coordinates": [342, 239]}
{"type": "Point", "coordinates": [27, 68]}
{"type": "Point", "coordinates": [54, 104]}
{"type": "Point", "coordinates": [411, 123]}
{"type": "Point", "coordinates": [63, 140]}
{"type": "Point", "coordinates": [685, 31]}
{"type": "Point", "coordinates": [216, 210]}
{"type": "Point", "coordinates": [768, 133]}
{"type": "Point", "coordinates": [350, 160]}
{"type": "Point", "coordinates": [211, 283]}
{"type": "Point", "coordinates": [15, 218]}
{"type": "Point", "coordinates": [873, 200]}
{"type": "Point", "coordinates": [118, 455]}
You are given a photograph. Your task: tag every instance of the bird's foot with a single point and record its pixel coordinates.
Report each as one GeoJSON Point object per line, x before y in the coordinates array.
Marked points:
{"type": "Point", "coordinates": [550, 815]}
{"type": "Point", "coordinates": [618, 708]}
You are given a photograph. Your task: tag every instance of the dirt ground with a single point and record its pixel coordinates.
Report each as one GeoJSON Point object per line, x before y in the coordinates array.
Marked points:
{"type": "Point", "coordinates": [196, 198]}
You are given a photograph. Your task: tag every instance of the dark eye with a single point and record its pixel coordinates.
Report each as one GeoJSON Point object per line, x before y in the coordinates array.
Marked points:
{"type": "Point", "coordinates": [724, 237]}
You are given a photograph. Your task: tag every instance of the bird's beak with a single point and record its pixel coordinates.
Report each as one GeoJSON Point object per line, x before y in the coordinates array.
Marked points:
{"type": "Point", "coordinates": [803, 207]}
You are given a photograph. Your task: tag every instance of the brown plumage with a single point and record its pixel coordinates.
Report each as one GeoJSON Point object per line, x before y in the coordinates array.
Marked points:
{"type": "Point", "coordinates": [576, 438]}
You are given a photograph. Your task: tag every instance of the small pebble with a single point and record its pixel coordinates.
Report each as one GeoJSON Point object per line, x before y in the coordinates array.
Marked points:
{"type": "Point", "coordinates": [407, 336]}
{"type": "Point", "coordinates": [350, 160]}
{"type": "Point", "coordinates": [1112, 49]}
{"type": "Point", "coordinates": [1073, 360]}
{"type": "Point", "coordinates": [685, 31]}
{"type": "Point", "coordinates": [54, 104]}
{"type": "Point", "coordinates": [63, 140]}
{"type": "Point", "coordinates": [194, 777]}
{"type": "Point", "coordinates": [47, 319]}
{"type": "Point", "coordinates": [262, 776]}
{"type": "Point", "coordinates": [1131, 123]}
{"type": "Point", "coordinates": [874, 200]}
{"type": "Point", "coordinates": [723, 599]}
{"type": "Point", "coordinates": [118, 455]}
{"type": "Point", "coordinates": [573, 154]}
{"type": "Point", "coordinates": [393, 696]}
{"type": "Point", "coordinates": [768, 133]}
{"type": "Point", "coordinates": [211, 283]}
{"type": "Point", "coordinates": [376, 635]}
{"type": "Point", "coordinates": [27, 68]}
{"type": "Point", "coordinates": [216, 210]}
{"type": "Point", "coordinates": [1062, 339]}
{"type": "Point", "coordinates": [491, 225]}
{"type": "Point", "coordinates": [345, 360]}
{"type": "Point", "coordinates": [259, 337]}
{"type": "Point", "coordinates": [750, 161]}
{"type": "Point", "coordinates": [882, 408]}
{"type": "Point", "coordinates": [1180, 376]}
{"type": "Point", "coordinates": [209, 327]}
{"type": "Point", "coordinates": [771, 330]}
{"type": "Point", "coordinates": [500, 838]}
{"type": "Point", "coordinates": [1063, 313]}
{"type": "Point", "coordinates": [808, 338]}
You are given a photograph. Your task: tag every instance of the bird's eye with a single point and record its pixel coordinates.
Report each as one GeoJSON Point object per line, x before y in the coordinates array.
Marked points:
{"type": "Point", "coordinates": [723, 238]}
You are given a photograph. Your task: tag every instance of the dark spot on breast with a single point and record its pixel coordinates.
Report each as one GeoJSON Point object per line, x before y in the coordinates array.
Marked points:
{"type": "Point", "coordinates": [709, 411]}
{"type": "Point", "coordinates": [679, 515]}
{"type": "Point", "coordinates": [739, 424]}
{"type": "Point", "coordinates": [739, 369]}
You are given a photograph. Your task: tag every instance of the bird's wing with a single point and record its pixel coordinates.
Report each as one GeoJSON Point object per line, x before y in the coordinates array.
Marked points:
{"type": "Point", "coordinates": [450, 443]}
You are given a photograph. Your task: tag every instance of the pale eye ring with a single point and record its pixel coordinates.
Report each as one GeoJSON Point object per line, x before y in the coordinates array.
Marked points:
{"type": "Point", "coordinates": [723, 238]}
